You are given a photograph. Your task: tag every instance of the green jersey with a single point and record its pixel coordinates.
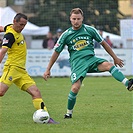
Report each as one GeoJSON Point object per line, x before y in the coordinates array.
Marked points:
{"type": "Point", "coordinates": [81, 50]}
{"type": "Point", "coordinates": [79, 42]}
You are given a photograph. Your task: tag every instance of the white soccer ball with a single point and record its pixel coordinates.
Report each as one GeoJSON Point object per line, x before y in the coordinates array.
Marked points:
{"type": "Point", "coordinates": [41, 116]}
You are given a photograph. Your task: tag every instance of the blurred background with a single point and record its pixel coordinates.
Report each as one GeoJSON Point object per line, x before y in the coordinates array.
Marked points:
{"type": "Point", "coordinates": [53, 16]}
{"type": "Point", "coordinates": [49, 18]}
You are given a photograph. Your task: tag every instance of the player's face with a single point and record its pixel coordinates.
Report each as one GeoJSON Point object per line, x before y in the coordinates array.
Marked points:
{"type": "Point", "coordinates": [19, 26]}
{"type": "Point", "coordinates": [76, 20]}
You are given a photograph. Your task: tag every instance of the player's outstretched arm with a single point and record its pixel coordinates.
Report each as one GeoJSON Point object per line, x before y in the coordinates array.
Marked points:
{"type": "Point", "coordinates": [2, 53]}
{"type": "Point", "coordinates": [54, 57]}
{"type": "Point", "coordinates": [109, 50]}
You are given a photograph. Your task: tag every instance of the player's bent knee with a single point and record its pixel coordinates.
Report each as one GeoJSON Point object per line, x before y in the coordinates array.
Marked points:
{"type": "Point", "coordinates": [3, 89]}
{"type": "Point", "coordinates": [105, 66]}
{"type": "Point", "coordinates": [2, 93]}
{"type": "Point", "coordinates": [110, 65]}
{"type": "Point", "coordinates": [75, 89]}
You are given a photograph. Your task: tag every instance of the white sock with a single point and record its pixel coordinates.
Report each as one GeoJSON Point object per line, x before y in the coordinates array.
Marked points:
{"type": "Point", "coordinates": [125, 81]}
{"type": "Point", "coordinates": [69, 111]}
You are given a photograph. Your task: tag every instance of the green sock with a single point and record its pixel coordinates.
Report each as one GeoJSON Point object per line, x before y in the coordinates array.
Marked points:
{"type": "Point", "coordinates": [71, 100]}
{"type": "Point", "coordinates": [118, 75]}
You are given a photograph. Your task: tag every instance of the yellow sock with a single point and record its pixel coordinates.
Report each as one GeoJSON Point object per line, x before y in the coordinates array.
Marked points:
{"type": "Point", "coordinates": [39, 104]}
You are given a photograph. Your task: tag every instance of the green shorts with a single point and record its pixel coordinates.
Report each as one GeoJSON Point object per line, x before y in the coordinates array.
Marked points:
{"type": "Point", "coordinates": [80, 67]}
{"type": "Point", "coordinates": [18, 76]}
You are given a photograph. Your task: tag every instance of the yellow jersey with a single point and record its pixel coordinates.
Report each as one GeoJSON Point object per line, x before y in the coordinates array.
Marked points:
{"type": "Point", "coordinates": [16, 45]}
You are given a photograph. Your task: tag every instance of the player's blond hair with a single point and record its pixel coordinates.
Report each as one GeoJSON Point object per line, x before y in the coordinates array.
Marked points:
{"type": "Point", "coordinates": [76, 11]}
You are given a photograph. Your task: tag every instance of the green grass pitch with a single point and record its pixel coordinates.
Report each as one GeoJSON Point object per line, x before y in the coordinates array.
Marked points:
{"type": "Point", "coordinates": [103, 106]}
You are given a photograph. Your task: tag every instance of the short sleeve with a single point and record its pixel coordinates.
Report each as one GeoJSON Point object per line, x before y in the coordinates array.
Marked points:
{"type": "Point", "coordinates": [59, 46]}
{"type": "Point", "coordinates": [8, 40]}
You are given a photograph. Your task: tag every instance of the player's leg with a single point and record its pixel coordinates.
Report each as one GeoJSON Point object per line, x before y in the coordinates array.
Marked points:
{"type": "Point", "coordinates": [26, 83]}
{"type": "Point", "coordinates": [79, 70]}
{"type": "Point", "coordinates": [3, 89]}
{"type": "Point", "coordinates": [37, 100]}
{"type": "Point", "coordinates": [36, 96]}
{"type": "Point", "coordinates": [117, 74]}
{"type": "Point", "coordinates": [6, 80]}
{"type": "Point", "coordinates": [72, 98]}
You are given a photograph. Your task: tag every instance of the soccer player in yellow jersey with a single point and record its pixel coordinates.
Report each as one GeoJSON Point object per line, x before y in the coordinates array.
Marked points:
{"type": "Point", "coordinates": [14, 68]}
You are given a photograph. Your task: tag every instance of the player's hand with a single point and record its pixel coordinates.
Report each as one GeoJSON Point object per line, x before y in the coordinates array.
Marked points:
{"type": "Point", "coordinates": [119, 62]}
{"type": "Point", "coordinates": [46, 75]}
{"type": "Point", "coordinates": [1, 29]}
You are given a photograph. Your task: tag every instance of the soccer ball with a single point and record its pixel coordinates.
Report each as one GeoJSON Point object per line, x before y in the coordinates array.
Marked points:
{"type": "Point", "coordinates": [41, 116]}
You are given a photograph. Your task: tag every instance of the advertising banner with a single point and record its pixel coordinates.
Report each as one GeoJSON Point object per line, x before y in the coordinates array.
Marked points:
{"type": "Point", "coordinates": [37, 61]}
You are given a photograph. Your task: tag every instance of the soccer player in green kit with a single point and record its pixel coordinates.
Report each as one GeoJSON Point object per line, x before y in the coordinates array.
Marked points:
{"type": "Point", "coordinates": [79, 39]}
